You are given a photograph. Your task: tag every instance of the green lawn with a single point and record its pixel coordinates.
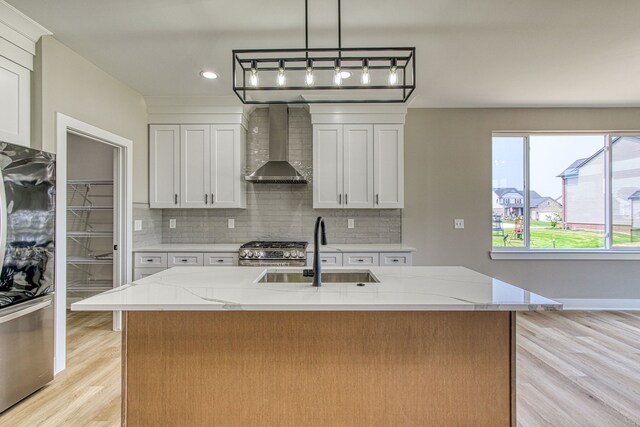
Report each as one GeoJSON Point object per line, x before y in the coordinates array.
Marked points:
{"type": "Point", "coordinates": [549, 238]}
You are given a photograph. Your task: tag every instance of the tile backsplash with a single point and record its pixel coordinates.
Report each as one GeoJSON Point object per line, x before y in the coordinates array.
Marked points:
{"type": "Point", "coordinates": [279, 211]}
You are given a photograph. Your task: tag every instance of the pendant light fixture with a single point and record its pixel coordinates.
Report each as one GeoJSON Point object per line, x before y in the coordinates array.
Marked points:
{"type": "Point", "coordinates": [322, 75]}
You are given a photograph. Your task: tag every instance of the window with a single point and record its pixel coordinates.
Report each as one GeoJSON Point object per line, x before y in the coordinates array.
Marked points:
{"type": "Point", "coordinates": [577, 192]}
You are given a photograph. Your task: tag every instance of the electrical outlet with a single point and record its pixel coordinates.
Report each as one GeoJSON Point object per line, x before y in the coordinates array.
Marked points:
{"type": "Point", "coordinates": [137, 225]}
{"type": "Point", "coordinates": [458, 224]}
{"type": "Point", "coordinates": [172, 223]}
{"type": "Point", "coordinates": [350, 223]}
{"type": "Point", "coordinates": [231, 223]}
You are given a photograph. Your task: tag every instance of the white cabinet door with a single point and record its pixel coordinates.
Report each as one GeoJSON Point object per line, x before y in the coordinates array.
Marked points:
{"type": "Point", "coordinates": [194, 165]}
{"type": "Point", "coordinates": [164, 166]}
{"type": "Point", "coordinates": [14, 103]}
{"type": "Point", "coordinates": [358, 166]}
{"type": "Point", "coordinates": [327, 166]}
{"type": "Point", "coordinates": [226, 160]}
{"type": "Point", "coordinates": [389, 166]}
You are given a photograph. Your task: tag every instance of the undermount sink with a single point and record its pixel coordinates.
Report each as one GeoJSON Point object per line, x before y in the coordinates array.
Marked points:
{"type": "Point", "coordinates": [333, 276]}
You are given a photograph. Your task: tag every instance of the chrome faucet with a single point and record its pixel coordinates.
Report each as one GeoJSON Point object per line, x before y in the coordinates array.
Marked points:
{"type": "Point", "coordinates": [317, 263]}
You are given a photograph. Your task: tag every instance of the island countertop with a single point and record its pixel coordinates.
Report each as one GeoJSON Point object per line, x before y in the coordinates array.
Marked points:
{"type": "Point", "coordinates": [237, 289]}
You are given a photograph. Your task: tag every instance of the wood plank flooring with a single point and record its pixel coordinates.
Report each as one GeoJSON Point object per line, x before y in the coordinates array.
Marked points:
{"type": "Point", "coordinates": [574, 369]}
{"type": "Point", "coordinates": [578, 369]}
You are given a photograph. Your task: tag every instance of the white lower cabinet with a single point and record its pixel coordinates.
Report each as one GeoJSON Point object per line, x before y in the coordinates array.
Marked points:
{"type": "Point", "coordinates": [185, 259]}
{"type": "Point", "coordinates": [367, 258]}
{"type": "Point", "coordinates": [395, 258]}
{"type": "Point", "coordinates": [148, 263]}
{"type": "Point", "coordinates": [362, 259]}
{"type": "Point", "coordinates": [333, 260]}
{"type": "Point", "coordinates": [213, 259]}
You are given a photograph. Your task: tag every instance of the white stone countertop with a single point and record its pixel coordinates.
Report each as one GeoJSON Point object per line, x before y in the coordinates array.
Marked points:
{"type": "Point", "coordinates": [233, 247]}
{"type": "Point", "coordinates": [236, 288]}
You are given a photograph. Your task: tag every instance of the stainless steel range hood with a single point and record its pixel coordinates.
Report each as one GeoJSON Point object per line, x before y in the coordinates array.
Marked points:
{"type": "Point", "coordinates": [277, 170]}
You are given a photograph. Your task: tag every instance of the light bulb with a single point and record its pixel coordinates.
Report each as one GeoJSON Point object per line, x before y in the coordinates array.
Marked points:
{"type": "Point", "coordinates": [309, 76]}
{"type": "Point", "coordinates": [253, 79]}
{"type": "Point", "coordinates": [337, 77]}
{"type": "Point", "coordinates": [281, 77]}
{"type": "Point", "coordinates": [366, 78]}
{"type": "Point", "coordinates": [393, 72]}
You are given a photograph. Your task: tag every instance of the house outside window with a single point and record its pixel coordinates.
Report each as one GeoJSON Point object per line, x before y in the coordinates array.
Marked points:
{"type": "Point", "coordinates": [567, 192]}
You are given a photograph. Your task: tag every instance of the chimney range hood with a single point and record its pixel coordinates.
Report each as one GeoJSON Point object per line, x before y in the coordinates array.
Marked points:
{"type": "Point", "coordinates": [277, 170]}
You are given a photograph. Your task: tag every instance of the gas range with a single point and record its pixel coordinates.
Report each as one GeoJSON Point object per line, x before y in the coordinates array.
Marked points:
{"type": "Point", "coordinates": [266, 253]}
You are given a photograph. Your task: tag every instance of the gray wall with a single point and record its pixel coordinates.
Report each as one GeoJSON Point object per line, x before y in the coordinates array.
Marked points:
{"type": "Point", "coordinates": [280, 211]}
{"type": "Point", "coordinates": [65, 82]}
{"type": "Point", "coordinates": [448, 175]}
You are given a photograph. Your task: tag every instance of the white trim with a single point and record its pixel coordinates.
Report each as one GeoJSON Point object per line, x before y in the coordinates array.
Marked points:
{"type": "Point", "coordinates": [196, 110]}
{"type": "Point", "coordinates": [599, 304]}
{"type": "Point", "coordinates": [357, 114]}
{"type": "Point", "coordinates": [13, 18]}
{"type": "Point", "coordinates": [565, 255]}
{"type": "Point", "coordinates": [64, 125]}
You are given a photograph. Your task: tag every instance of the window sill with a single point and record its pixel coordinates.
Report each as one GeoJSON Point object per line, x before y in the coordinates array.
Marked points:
{"type": "Point", "coordinates": [565, 255]}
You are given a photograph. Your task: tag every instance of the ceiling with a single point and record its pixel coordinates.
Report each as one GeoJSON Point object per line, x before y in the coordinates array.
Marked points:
{"type": "Point", "coordinates": [470, 53]}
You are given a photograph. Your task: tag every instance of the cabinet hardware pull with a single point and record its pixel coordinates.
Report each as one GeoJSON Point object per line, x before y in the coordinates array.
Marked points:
{"type": "Point", "coordinates": [220, 260]}
{"type": "Point", "coordinates": [184, 260]}
{"type": "Point", "coordinates": [360, 260]}
{"type": "Point", "coordinates": [377, 199]}
{"type": "Point", "coordinates": [346, 199]}
{"type": "Point", "coordinates": [175, 199]}
{"type": "Point", "coordinates": [340, 198]}
{"type": "Point", "coordinates": [212, 198]}
{"type": "Point", "coordinates": [396, 260]}
{"type": "Point", "coordinates": [149, 260]}
{"type": "Point", "coordinates": [206, 199]}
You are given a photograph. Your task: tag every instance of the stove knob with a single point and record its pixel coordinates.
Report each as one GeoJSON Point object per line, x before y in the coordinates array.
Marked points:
{"type": "Point", "coordinates": [250, 254]}
{"type": "Point", "coordinates": [287, 254]}
{"type": "Point", "coordinates": [261, 255]}
{"type": "Point", "coordinates": [300, 254]}
{"type": "Point", "coordinates": [243, 254]}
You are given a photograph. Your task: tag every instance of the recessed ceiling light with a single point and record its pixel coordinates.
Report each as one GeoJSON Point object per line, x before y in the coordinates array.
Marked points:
{"type": "Point", "coordinates": [208, 75]}
{"type": "Point", "coordinates": [345, 74]}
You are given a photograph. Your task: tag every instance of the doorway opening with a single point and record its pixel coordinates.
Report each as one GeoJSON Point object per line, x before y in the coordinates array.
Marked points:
{"type": "Point", "coordinates": [94, 177]}
{"type": "Point", "coordinates": [91, 197]}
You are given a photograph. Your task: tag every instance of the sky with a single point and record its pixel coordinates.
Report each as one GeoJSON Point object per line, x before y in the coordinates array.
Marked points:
{"type": "Point", "coordinates": [549, 156]}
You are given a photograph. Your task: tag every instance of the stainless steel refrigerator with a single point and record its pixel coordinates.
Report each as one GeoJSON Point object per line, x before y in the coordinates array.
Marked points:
{"type": "Point", "coordinates": [27, 231]}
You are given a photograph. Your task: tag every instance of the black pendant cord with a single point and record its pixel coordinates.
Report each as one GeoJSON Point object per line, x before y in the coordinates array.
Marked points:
{"type": "Point", "coordinates": [306, 28]}
{"type": "Point", "coordinates": [339, 29]}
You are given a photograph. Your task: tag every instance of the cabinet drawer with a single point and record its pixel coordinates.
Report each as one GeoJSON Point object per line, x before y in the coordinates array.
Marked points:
{"type": "Point", "coordinates": [178, 259]}
{"type": "Point", "coordinates": [368, 258]}
{"type": "Point", "coordinates": [327, 259]}
{"type": "Point", "coordinates": [221, 258]}
{"type": "Point", "coordinates": [395, 258]}
{"type": "Point", "coordinates": [151, 259]}
{"type": "Point", "coordinates": [141, 273]}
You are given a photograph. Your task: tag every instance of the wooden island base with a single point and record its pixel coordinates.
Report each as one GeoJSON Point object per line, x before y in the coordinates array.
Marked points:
{"type": "Point", "coordinates": [244, 368]}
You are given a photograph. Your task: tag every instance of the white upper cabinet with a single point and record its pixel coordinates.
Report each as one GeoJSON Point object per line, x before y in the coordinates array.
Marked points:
{"type": "Point", "coordinates": [227, 161]}
{"type": "Point", "coordinates": [164, 166]}
{"type": "Point", "coordinates": [196, 166]}
{"type": "Point", "coordinates": [358, 166]}
{"type": "Point", "coordinates": [327, 166]}
{"type": "Point", "coordinates": [388, 155]}
{"type": "Point", "coordinates": [14, 103]}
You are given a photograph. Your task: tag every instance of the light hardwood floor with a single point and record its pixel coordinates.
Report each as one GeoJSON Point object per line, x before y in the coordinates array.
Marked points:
{"type": "Point", "coordinates": [574, 369]}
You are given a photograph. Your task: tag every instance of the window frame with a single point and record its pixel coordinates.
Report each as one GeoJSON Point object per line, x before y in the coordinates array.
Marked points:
{"type": "Point", "coordinates": [606, 252]}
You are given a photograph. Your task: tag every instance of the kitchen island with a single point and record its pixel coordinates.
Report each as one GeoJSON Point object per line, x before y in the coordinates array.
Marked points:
{"type": "Point", "coordinates": [217, 346]}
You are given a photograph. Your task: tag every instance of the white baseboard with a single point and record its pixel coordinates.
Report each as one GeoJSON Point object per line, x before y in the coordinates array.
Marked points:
{"type": "Point", "coordinates": [599, 304]}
